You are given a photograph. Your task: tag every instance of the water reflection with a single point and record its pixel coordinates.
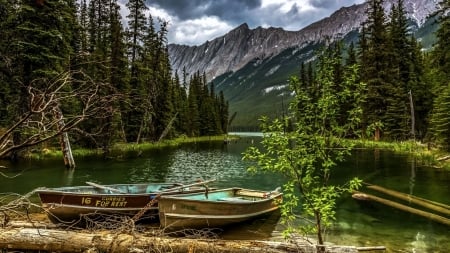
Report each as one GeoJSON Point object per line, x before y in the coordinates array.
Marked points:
{"type": "Point", "coordinates": [154, 167]}
{"type": "Point", "coordinates": [412, 177]}
{"type": "Point", "coordinates": [68, 176]}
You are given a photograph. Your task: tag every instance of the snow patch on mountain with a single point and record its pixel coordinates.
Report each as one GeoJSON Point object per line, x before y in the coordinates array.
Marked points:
{"type": "Point", "coordinates": [273, 88]}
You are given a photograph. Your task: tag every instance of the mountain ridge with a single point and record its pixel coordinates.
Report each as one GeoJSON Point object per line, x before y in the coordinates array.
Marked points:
{"type": "Point", "coordinates": [239, 46]}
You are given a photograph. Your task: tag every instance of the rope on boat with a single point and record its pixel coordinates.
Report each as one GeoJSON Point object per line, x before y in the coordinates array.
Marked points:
{"type": "Point", "coordinates": [141, 212]}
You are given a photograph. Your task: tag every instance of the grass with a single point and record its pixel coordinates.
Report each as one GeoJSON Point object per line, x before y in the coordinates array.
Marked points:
{"type": "Point", "coordinates": [120, 149]}
{"type": "Point", "coordinates": [424, 153]}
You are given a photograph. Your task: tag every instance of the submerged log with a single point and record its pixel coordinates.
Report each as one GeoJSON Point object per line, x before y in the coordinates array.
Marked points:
{"type": "Point", "coordinates": [443, 158]}
{"type": "Point", "coordinates": [431, 216]}
{"type": "Point", "coordinates": [435, 206]}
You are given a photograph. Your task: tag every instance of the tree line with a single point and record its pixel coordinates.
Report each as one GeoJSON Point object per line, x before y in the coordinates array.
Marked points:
{"type": "Point", "coordinates": [406, 91]}
{"type": "Point", "coordinates": [111, 81]}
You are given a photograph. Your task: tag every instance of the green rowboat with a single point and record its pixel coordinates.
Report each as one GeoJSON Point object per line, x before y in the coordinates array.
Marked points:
{"type": "Point", "coordinates": [217, 208]}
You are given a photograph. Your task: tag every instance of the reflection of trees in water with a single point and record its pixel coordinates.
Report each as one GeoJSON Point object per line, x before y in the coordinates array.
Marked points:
{"type": "Point", "coordinates": [205, 164]}
{"type": "Point", "coordinates": [154, 167]}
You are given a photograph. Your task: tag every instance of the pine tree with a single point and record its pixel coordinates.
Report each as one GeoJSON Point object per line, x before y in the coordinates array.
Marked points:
{"type": "Point", "coordinates": [205, 110]}
{"type": "Point", "coordinates": [398, 114]}
{"type": "Point", "coordinates": [139, 114]}
{"type": "Point", "coordinates": [163, 80]}
{"type": "Point", "coordinates": [374, 41]}
{"type": "Point", "coordinates": [440, 119]}
{"type": "Point", "coordinates": [179, 102]}
{"type": "Point", "coordinates": [441, 49]}
{"type": "Point", "coordinates": [223, 112]}
{"type": "Point", "coordinates": [119, 73]}
{"type": "Point", "coordinates": [182, 87]}
{"type": "Point", "coordinates": [440, 62]}
{"type": "Point", "coordinates": [193, 105]}
{"type": "Point", "coordinates": [7, 93]}
{"type": "Point", "coordinates": [99, 34]}
{"type": "Point", "coordinates": [99, 51]}
{"type": "Point", "coordinates": [384, 107]}
{"type": "Point", "coordinates": [421, 90]}
{"type": "Point", "coordinates": [351, 55]}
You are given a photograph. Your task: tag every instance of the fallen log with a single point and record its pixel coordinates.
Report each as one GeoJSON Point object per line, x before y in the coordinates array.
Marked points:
{"type": "Point", "coordinates": [431, 205]}
{"type": "Point", "coordinates": [431, 216]}
{"type": "Point", "coordinates": [443, 158]}
{"type": "Point", "coordinates": [76, 241]}
{"type": "Point", "coordinates": [29, 224]}
{"type": "Point", "coordinates": [371, 248]}
{"type": "Point", "coordinates": [51, 240]}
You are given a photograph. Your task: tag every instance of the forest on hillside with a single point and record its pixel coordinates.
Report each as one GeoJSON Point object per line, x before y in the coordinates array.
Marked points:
{"type": "Point", "coordinates": [74, 67]}
{"type": "Point", "coordinates": [407, 89]}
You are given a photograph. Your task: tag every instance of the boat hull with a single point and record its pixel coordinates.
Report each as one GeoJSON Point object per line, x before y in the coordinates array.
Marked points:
{"type": "Point", "coordinates": [227, 208]}
{"type": "Point", "coordinates": [74, 205]}
{"type": "Point", "coordinates": [71, 208]}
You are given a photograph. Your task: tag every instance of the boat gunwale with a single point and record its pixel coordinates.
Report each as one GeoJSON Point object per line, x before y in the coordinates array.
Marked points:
{"type": "Point", "coordinates": [102, 194]}
{"type": "Point", "coordinates": [64, 191]}
{"type": "Point", "coordinates": [185, 197]}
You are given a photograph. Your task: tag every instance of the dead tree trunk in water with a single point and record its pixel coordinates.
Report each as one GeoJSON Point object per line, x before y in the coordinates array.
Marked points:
{"type": "Point", "coordinates": [428, 215]}
{"type": "Point", "coordinates": [431, 205]}
{"type": "Point", "coordinates": [377, 134]}
{"type": "Point", "coordinates": [69, 162]}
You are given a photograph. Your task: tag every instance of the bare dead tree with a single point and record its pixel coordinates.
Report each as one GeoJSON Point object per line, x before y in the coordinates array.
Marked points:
{"type": "Point", "coordinates": [39, 124]}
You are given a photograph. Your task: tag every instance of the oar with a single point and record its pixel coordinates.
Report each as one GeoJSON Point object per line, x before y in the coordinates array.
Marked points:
{"type": "Point", "coordinates": [105, 187]}
{"type": "Point", "coordinates": [188, 185]}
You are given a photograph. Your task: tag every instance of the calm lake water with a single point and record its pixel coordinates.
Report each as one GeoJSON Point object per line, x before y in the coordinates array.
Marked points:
{"type": "Point", "coordinates": [360, 224]}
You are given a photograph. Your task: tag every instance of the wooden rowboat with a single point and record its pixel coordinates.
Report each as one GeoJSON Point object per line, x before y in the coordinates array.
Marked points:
{"type": "Point", "coordinates": [217, 208]}
{"type": "Point", "coordinates": [73, 204]}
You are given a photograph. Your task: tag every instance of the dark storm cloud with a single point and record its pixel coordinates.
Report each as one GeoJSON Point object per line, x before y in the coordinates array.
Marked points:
{"type": "Point", "coordinates": [323, 3]}
{"type": "Point", "coordinates": [190, 9]}
{"type": "Point", "coordinates": [332, 4]}
{"type": "Point", "coordinates": [195, 21]}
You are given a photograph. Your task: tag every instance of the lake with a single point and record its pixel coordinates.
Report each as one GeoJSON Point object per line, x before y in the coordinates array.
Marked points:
{"type": "Point", "coordinates": [359, 224]}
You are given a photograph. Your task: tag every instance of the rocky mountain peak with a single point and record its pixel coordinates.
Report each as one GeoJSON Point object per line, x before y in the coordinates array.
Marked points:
{"type": "Point", "coordinates": [235, 49]}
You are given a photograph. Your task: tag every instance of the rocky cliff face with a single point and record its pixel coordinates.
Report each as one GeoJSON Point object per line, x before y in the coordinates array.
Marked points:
{"type": "Point", "coordinates": [231, 51]}
{"type": "Point", "coordinates": [235, 49]}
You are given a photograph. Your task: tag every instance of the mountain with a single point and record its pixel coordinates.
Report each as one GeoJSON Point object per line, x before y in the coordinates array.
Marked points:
{"type": "Point", "coordinates": [252, 66]}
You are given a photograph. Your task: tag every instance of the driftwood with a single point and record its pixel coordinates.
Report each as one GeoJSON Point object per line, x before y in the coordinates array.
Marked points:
{"type": "Point", "coordinates": [75, 241]}
{"type": "Point", "coordinates": [435, 206]}
{"type": "Point", "coordinates": [431, 216]}
{"type": "Point", "coordinates": [23, 235]}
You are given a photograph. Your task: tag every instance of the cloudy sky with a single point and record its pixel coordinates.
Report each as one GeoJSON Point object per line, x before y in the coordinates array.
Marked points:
{"type": "Point", "coordinates": [192, 22]}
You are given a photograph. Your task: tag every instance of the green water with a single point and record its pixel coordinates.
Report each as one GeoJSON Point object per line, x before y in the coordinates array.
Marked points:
{"type": "Point", "coordinates": [361, 224]}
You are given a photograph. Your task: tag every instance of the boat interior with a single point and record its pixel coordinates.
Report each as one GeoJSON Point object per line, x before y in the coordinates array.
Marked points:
{"type": "Point", "coordinates": [123, 189]}
{"type": "Point", "coordinates": [228, 195]}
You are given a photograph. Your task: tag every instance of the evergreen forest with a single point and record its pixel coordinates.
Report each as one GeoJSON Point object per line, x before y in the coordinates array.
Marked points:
{"type": "Point", "coordinates": [406, 93]}
{"type": "Point", "coordinates": [75, 67]}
